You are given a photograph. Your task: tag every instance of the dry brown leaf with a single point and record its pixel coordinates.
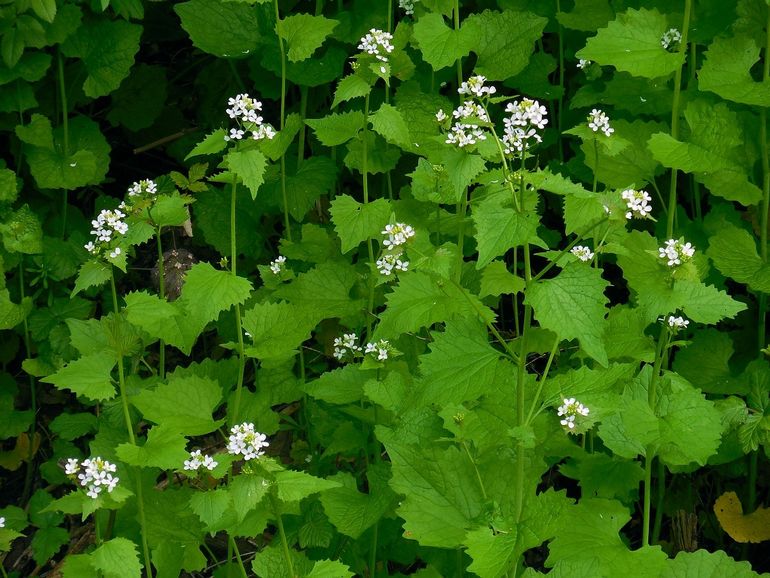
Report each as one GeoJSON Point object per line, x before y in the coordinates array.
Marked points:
{"type": "Point", "coordinates": [754, 527]}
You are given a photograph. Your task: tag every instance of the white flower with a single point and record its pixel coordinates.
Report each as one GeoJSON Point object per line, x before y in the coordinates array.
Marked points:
{"type": "Point", "coordinates": [2, 522]}
{"type": "Point", "coordinates": [348, 342]}
{"type": "Point", "coordinates": [398, 234]}
{"type": "Point", "coordinates": [475, 86]}
{"type": "Point", "coordinates": [145, 186]}
{"type": "Point", "coordinates": [520, 127]}
{"type": "Point", "coordinates": [676, 252]}
{"type": "Point", "coordinates": [72, 466]}
{"type": "Point", "coordinates": [244, 440]}
{"type": "Point", "coordinates": [198, 460]}
{"type": "Point", "coordinates": [377, 43]}
{"type": "Point", "coordinates": [441, 116]}
{"type": "Point", "coordinates": [379, 349]}
{"type": "Point", "coordinates": [671, 39]}
{"type": "Point", "coordinates": [677, 322]}
{"type": "Point", "coordinates": [277, 265]}
{"type": "Point", "coordinates": [638, 203]}
{"type": "Point", "coordinates": [598, 121]}
{"type": "Point", "coordinates": [582, 253]}
{"type": "Point", "coordinates": [245, 111]}
{"type": "Point", "coordinates": [115, 252]}
{"type": "Point", "coordinates": [104, 226]}
{"type": "Point", "coordinates": [466, 130]}
{"type": "Point", "coordinates": [95, 474]}
{"type": "Point", "coordinates": [583, 63]}
{"type": "Point", "coordinates": [390, 261]}
{"type": "Point", "coordinates": [407, 6]}
{"type": "Point", "coordinates": [569, 411]}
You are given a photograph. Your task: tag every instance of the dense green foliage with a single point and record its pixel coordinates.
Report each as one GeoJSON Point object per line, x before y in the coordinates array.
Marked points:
{"type": "Point", "coordinates": [403, 331]}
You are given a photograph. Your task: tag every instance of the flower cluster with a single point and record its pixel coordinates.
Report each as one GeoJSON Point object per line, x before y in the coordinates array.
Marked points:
{"type": "Point", "coordinates": [244, 440]}
{"type": "Point", "coordinates": [105, 224]}
{"type": "Point", "coordinates": [2, 522]}
{"type": "Point", "coordinates": [94, 474]}
{"type": "Point", "coordinates": [407, 6]}
{"type": "Point", "coordinates": [380, 349]}
{"type": "Point", "coordinates": [475, 86]}
{"type": "Point", "coordinates": [583, 253]}
{"type": "Point", "coordinates": [638, 203]}
{"type": "Point", "coordinates": [520, 127]}
{"type": "Point", "coordinates": [198, 460]}
{"type": "Point", "coordinates": [142, 188]}
{"type": "Point", "coordinates": [466, 130]}
{"type": "Point", "coordinates": [246, 112]}
{"type": "Point", "coordinates": [598, 121]}
{"type": "Point", "coordinates": [398, 234]}
{"type": "Point", "coordinates": [583, 63]}
{"type": "Point", "coordinates": [377, 43]}
{"type": "Point", "coordinates": [676, 252]}
{"type": "Point", "coordinates": [348, 343]}
{"type": "Point", "coordinates": [277, 265]}
{"type": "Point", "coordinates": [677, 322]}
{"type": "Point", "coordinates": [569, 411]}
{"type": "Point", "coordinates": [671, 39]}
{"type": "Point", "coordinates": [388, 262]}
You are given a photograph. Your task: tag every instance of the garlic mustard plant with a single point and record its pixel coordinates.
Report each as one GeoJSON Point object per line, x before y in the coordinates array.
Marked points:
{"type": "Point", "coordinates": [246, 112]}
{"type": "Point", "coordinates": [278, 264]}
{"type": "Point", "coordinates": [583, 253]}
{"type": "Point", "coordinates": [598, 121]}
{"type": "Point", "coordinates": [677, 322]}
{"type": "Point", "coordinates": [569, 412]}
{"type": "Point", "coordinates": [638, 203]}
{"type": "Point", "coordinates": [93, 474]}
{"type": "Point", "coordinates": [675, 252]}
{"type": "Point", "coordinates": [377, 43]}
{"type": "Point", "coordinates": [244, 440]}
{"type": "Point", "coordinates": [671, 39]}
{"type": "Point", "coordinates": [199, 460]}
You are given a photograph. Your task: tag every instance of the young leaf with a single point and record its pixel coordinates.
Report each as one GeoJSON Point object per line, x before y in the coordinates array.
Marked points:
{"type": "Point", "coordinates": [336, 129]}
{"type": "Point", "coordinates": [165, 449]}
{"type": "Point", "coordinates": [293, 486]}
{"type": "Point", "coordinates": [276, 329]}
{"type": "Point", "coordinates": [213, 143]}
{"type": "Point", "coordinates": [573, 305]}
{"type": "Point", "coordinates": [250, 167]}
{"type": "Point", "coordinates": [500, 228]}
{"type": "Point", "coordinates": [304, 34]}
{"type": "Point", "coordinates": [355, 222]}
{"type": "Point", "coordinates": [208, 291]}
{"type": "Point", "coordinates": [117, 558]}
{"type": "Point", "coordinates": [89, 376]}
{"type": "Point", "coordinates": [726, 71]}
{"type": "Point", "coordinates": [225, 29]}
{"type": "Point", "coordinates": [631, 43]}
{"type": "Point", "coordinates": [389, 123]}
{"type": "Point", "coordinates": [734, 253]}
{"type": "Point", "coordinates": [441, 46]}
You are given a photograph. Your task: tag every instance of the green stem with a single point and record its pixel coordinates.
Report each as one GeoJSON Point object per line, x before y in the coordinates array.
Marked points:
{"type": "Point", "coordinates": [456, 17]}
{"type": "Point", "coordinates": [462, 209]}
{"type": "Point", "coordinates": [238, 557]}
{"type": "Point", "coordinates": [475, 469]}
{"type": "Point", "coordinates": [373, 551]}
{"type": "Point", "coordinates": [649, 453]}
{"type": "Point", "coordinates": [162, 289]}
{"type": "Point", "coordinates": [238, 328]}
{"type": "Point", "coordinates": [567, 249]}
{"type": "Point", "coordinates": [531, 414]}
{"type": "Point", "coordinates": [369, 242]}
{"type": "Point", "coordinates": [596, 163]}
{"type": "Point", "coordinates": [675, 116]}
{"type": "Point", "coordinates": [303, 92]}
{"type": "Point", "coordinates": [659, 505]}
{"type": "Point", "coordinates": [30, 469]}
{"type": "Point", "coordinates": [2, 567]}
{"type": "Point", "coordinates": [65, 131]}
{"type": "Point", "coordinates": [561, 85]}
{"type": "Point", "coordinates": [282, 48]}
{"type": "Point", "coordinates": [282, 533]}
{"type": "Point", "coordinates": [132, 440]}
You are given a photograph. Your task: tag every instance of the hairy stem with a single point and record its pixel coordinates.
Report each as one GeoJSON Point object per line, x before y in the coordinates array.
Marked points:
{"type": "Point", "coordinates": [369, 242]}
{"type": "Point", "coordinates": [238, 328]}
{"type": "Point", "coordinates": [541, 384]}
{"type": "Point", "coordinates": [675, 117]}
{"type": "Point", "coordinates": [162, 289]}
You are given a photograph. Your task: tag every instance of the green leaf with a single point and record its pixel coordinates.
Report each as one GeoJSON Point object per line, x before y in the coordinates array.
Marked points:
{"type": "Point", "coordinates": [8, 186]}
{"type": "Point", "coordinates": [631, 43]}
{"type": "Point", "coordinates": [71, 426]}
{"type": "Point", "coordinates": [170, 210]}
{"type": "Point", "coordinates": [78, 566]}
{"type": "Point", "coordinates": [22, 232]}
{"type": "Point", "coordinates": [226, 29]}
{"type": "Point", "coordinates": [350, 87]}
{"type": "Point", "coordinates": [703, 564]}
{"type": "Point", "coordinates": [330, 569]}
{"type": "Point", "coordinates": [339, 386]}
{"type": "Point", "coordinates": [336, 129]}
{"type": "Point", "coordinates": [45, 9]}
{"type": "Point", "coordinates": [140, 99]}
{"type": "Point", "coordinates": [107, 48]}
{"type": "Point", "coordinates": [588, 533]}
{"type": "Point", "coordinates": [11, 314]}
{"type": "Point", "coordinates": [212, 144]}
{"type": "Point", "coordinates": [726, 71]}
{"type": "Point", "coordinates": [295, 486]}
{"type": "Point", "coordinates": [389, 123]}
{"type": "Point", "coordinates": [353, 512]}
{"type": "Point", "coordinates": [355, 222]}
{"type": "Point", "coordinates": [573, 306]}
{"type": "Point", "coordinates": [184, 404]}
{"type": "Point", "coordinates": [304, 34]}
{"type": "Point", "coordinates": [211, 506]}
{"type": "Point", "coordinates": [706, 361]}
{"type": "Point", "coordinates": [208, 291]}
{"type": "Point", "coordinates": [420, 300]}
{"type": "Point", "coordinates": [462, 168]}
{"type": "Point", "coordinates": [47, 541]}
{"type": "Point", "coordinates": [496, 280]}
{"type": "Point", "coordinates": [587, 15]}
{"type": "Point", "coordinates": [117, 558]}
{"type": "Point", "coordinates": [89, 376]}
{"type": "Point", "coordinates": [92, 274]}
{"type": "Point", "coordinates": [164, 320]}
{"type": "Point", "coordinates": [165, 448]}
{"type": "Point", "coordinates": [603, 476]}
{"type": "Point", "coordinates": [250, 167]}
{"type": "Point", "coordinates": [734, 253]}
{"type": "Point", "coordinates": [441, 46]}
{"type": "Point", "coordinates": [504, 41]}
{"type": "Point", "coordinates": [439, 487]}
{"type": "Point", "coordinates": [500, 228]}
{"type": "Point", "coordinates": [380, 157]}
{"type": "Point", "coordinates": [461, 365]}
{"type": "Point", "coordinates": [277, 329]}
{"type": "Point", "coordinates": [324, 291]}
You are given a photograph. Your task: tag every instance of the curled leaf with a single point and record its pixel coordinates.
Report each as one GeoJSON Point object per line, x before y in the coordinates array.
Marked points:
{"type": "Point", "coordinates": [754, 527]}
